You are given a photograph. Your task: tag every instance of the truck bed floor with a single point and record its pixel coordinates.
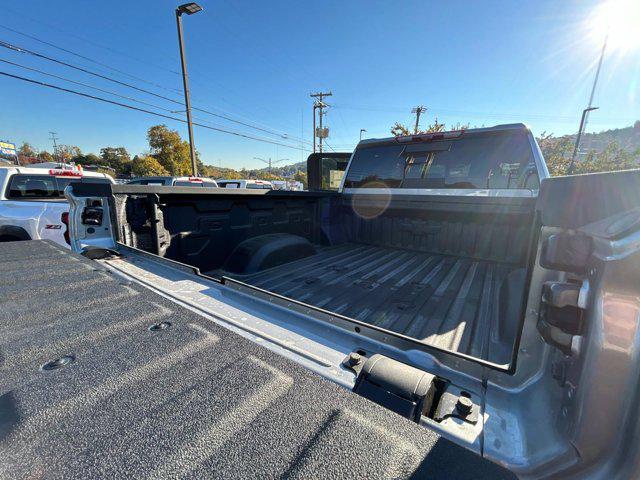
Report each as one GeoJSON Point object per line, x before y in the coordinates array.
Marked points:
{"type": "Point", "coordinates": [445, 301]}
{"type": "Point", "coordinates": [191, 401]}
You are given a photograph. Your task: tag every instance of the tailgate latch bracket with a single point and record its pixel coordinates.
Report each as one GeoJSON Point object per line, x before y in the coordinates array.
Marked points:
{"type": "Point", "coordinates": [397, 386]}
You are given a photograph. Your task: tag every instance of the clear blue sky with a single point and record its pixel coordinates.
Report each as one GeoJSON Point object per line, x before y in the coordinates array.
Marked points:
{"type": "Point", "coordinates": [479, 62]}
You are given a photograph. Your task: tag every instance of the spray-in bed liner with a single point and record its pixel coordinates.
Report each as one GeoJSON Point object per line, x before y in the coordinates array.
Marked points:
{"type": "Point", "coordinates": [445, 301]}
{"type": "Point", "coordinates": [191, 401]}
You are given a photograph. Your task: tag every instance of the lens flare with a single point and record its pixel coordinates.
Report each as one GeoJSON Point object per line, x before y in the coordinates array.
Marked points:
{"type": "Point", "coordinates": [619, 22]}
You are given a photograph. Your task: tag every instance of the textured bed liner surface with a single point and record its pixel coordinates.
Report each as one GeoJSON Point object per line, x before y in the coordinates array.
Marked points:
{"type": "Point", "coordinates": [194, 400]}
{"type": "Point", "coordinates": [445, 301]}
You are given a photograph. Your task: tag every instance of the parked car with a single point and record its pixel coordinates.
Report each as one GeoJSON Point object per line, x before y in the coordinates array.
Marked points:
{"type": "Point", "coordinates": [251, 184]}
{"type": "Point", "coordinates": [32, 203]}
{"type": "Point", "coordinates": [175, 181]}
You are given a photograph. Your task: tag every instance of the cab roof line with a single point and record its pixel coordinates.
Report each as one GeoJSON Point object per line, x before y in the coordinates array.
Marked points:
{"type": "Point", "coordinates": [495, 128]}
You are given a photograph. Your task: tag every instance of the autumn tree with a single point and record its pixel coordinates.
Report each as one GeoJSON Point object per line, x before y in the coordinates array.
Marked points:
{"type": "Point", "coordinates": [144, 166]}
{"type": "Point", "coordinates": [168, 148]}
{"type": "Point", "coordinates": [301, 176]}
{"type": "Point", "coordinates": [45, 156]}
{"type": "Point", "coordinates": [117, 158]}
{"type": "Point", "coordinates": [399, 129]}
{"type": "Point", "coordinates": [557, 152]}
{"type": "Point", "coordinates": [612, 158]}
{"type": "Point", "coordinates": [26, 150]}
{"type": "Point", "coordinates": [67, 152]}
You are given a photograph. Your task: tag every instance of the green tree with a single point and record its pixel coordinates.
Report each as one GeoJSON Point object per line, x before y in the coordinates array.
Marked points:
{"type": "Point", "coordinates": [117, 158]}
{"type": "Point", "coordinates": [169, 150]}
{"type": "Point", "coordinates": [147, 166]}
{"type": "Point", "coordinates": [89, 159]}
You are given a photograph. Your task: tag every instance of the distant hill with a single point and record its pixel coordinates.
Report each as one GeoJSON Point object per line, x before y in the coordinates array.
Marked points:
{"type": "Point", "coordinates": [287, 170]}
{"type": "Point", "coordinates": [627, 138]}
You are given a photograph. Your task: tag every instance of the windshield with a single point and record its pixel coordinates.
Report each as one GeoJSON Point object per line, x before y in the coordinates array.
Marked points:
{"type": "Point", "coordinates": [486, 161]}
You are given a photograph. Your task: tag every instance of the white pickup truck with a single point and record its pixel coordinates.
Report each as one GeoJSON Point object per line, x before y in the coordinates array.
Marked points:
{"type": "Point", "coordinates": [32, 203]}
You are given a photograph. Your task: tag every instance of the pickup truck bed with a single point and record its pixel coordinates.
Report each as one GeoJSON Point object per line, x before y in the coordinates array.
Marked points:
{"type": "Point", "coordinates": [445, 301]}
{"type": "Point", "coordinates": [192, 400]}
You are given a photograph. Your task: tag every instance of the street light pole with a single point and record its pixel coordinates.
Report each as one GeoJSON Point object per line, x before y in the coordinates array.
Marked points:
{"type": "Point", "coordinates": [362, 130]}
{"type": "Point", "coordinates": [595, 80]}
{"type": "Point", "coordinates": [585, 112]}
{"type": "Point", "coordinates": [189, 9]}
{"type": "Point", "coordinates": [577, 145]}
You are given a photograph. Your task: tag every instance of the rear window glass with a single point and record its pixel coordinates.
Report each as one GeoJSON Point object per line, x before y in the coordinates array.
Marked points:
{"type": "Point", "coordinates": [34, 186]}
{"type": "Point", "coordinates": [501, 161]}
{"type": "Point", "coordinates": [44, 186]}
{"type": "Point", "coordinates": [183, 183]}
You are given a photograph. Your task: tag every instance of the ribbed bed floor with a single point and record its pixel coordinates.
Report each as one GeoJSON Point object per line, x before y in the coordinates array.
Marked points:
{"type": "Point", "coordinates": [191, 401]}
{"type": "Point", "coordinates": [445, 301]}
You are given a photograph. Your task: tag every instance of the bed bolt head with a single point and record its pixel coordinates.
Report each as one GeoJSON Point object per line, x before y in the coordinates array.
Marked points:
{"type": "Point", "coordinates": [464, 405]}
{"type": "Point", "coordinates": [354, 359]}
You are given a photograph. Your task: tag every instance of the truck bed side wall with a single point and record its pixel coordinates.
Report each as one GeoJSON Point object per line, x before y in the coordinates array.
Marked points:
{"type": "Point", "coordinates": [203, 230]}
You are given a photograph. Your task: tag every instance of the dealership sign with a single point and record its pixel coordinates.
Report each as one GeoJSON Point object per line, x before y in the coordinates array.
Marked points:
{"type": "Point", "coordinates": [7, 148]}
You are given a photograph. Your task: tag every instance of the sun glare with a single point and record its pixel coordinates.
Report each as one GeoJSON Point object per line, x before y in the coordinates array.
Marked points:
{"type": "Point", "coordinates": [619, 21]}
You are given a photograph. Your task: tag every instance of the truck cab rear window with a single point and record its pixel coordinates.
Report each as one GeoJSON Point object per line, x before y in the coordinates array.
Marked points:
{"type": "Point", "coordinates": [34, 186]}
{"type": "Point", "coordinates": [486, 161]}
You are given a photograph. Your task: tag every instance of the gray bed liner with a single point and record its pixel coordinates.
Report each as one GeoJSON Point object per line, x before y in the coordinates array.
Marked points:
{"type": "Point", "coordinates": [445, 301]}
{"type": "Point", "coordinates": [194, 400]}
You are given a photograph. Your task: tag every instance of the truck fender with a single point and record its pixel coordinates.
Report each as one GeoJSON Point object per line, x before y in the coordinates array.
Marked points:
{"type": "Point", "coordinates": [11, 233]}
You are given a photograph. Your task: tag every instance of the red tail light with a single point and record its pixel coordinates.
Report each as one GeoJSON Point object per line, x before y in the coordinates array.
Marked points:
{"type": "Point", "coordinates": [65, 173]}
{"type": "Point", "coordinates": [65, 219]}
{"type": "Point", "coordinates": [195, 179]}
{"type": "Point", "coordinates": [428, 137]}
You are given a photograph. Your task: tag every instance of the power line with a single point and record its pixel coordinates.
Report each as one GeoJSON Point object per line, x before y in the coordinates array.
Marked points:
{"type": "Point", "coordinates": [19, 49]}
{"type": "Point", "coordinates": [91, 42]}
{"type": "Point", "coordinates": [86, 85]}
{"type": "Point", "coordinates": [131, 107]}
{"type": "Point", "coordinates": [497, 115]}
{"type": "Point", "coordinates": [84, 70]}
{"type": "Point", "coordinates": [172, 100]}
{"type": "Point", "coordinates": [271, 162]}
{"type": "Point", "coordinates": [44, 42]}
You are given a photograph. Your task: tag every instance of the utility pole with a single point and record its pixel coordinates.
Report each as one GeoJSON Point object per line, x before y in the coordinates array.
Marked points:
{"type": "Point", "coordinates": [55, 146]}
{"type": "Point", "coordinates": [319, 105]}
{"type": "Point", "coordinates": [269, 162]}
{"type": "Point", "coordinates": [417, 110]}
